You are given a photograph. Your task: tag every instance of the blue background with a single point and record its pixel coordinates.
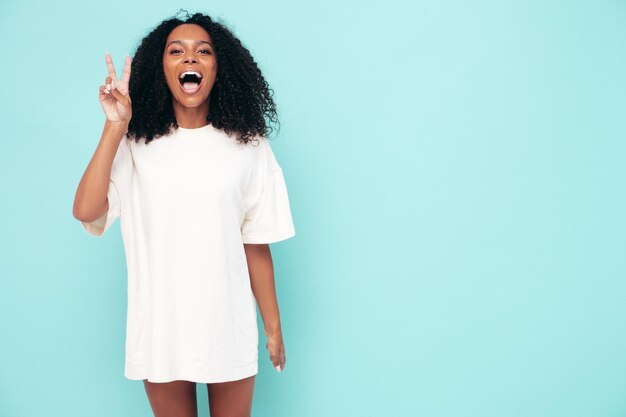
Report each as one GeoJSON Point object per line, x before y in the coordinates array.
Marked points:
{"type": "Point", "coordinates": [456, 172]}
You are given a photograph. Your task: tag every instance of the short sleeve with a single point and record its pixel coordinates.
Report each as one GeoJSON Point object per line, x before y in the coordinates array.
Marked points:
{"type": "Point", "coordinates": [120, 179]}
{"type": "Point", "coordinates": [269, 219]}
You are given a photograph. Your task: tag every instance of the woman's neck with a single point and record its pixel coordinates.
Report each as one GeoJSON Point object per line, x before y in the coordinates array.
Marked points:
{"type": "Point", "coordinates": [191, 117]}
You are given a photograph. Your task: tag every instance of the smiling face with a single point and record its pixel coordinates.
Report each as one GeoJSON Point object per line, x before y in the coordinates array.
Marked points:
{"type": "Point", "coordinates": [189, 50]}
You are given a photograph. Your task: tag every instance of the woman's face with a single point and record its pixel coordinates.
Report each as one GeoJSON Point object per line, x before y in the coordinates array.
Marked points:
{"type": "Point", "coordinates": [189, 48]}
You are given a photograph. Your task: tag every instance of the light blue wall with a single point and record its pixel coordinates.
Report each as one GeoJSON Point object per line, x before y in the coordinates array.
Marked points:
{"type": "Point", "coordinates": [457, 178]}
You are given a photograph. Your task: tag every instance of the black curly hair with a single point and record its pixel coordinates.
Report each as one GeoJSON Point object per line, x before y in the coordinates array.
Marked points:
{"type": "Point", "coordinates": [239, 100]}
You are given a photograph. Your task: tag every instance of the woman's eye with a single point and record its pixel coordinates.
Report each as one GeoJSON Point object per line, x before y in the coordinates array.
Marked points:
{"type": "Point", "coordinates": [208, 51]}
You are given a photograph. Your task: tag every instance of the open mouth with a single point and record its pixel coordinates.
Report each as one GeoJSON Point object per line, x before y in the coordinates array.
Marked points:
{"type": "Point", "coordinates": [190, 81]}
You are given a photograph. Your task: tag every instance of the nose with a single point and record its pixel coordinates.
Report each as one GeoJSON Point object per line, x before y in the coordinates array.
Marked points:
{"type": "Point", "coordinates": [190, 58]}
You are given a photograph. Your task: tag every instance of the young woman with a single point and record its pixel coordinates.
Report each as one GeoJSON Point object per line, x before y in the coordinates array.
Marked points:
{"type": "Point", "coordinates": [187, 166]}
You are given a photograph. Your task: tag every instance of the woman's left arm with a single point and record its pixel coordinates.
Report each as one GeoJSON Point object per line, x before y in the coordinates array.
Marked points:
{"type": "Point", "coordinates": [261, 268]}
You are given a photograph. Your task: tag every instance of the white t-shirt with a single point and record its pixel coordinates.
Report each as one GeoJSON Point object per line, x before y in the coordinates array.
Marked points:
{"type": "Point", "coordinates": [187, 203]}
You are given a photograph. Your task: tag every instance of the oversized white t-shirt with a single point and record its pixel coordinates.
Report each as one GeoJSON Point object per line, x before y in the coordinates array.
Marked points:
{"type": "Point", "coordinates": [187, 203]}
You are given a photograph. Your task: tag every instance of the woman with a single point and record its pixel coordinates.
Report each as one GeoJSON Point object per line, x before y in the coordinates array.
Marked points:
{"type": "Point", "coordinates": [187, 167]}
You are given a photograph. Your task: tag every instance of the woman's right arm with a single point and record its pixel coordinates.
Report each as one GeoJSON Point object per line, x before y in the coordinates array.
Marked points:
{"type": "Point", "coordinates": [90, 202]}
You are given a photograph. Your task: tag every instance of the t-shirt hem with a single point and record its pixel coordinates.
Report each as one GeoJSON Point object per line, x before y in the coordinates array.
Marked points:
{"type": "Point", "coordinates": [267, 238]}
{"type": "Point", "coordinates": [194, 375]}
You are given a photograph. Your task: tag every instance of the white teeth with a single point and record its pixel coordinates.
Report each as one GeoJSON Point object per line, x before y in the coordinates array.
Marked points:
{"type": "Point", "coordinates": [190, 72]}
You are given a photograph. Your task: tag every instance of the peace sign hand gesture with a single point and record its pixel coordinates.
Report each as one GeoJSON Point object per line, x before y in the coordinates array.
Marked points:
{"type": "Point", "coordinates": [114, 96]}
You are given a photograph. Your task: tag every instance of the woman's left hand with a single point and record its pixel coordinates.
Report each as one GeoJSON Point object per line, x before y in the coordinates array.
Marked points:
{"type": "Point", "coordinates": [276, 349]}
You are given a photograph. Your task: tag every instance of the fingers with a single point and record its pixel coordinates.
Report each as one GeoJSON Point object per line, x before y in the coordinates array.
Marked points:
{"type": "Point", "coordinates": [115, 91]}
{"type": "Point", "coordinates": [276, 350]}
{"type": "Point", "coordinates": [126, 73]}
{"type": "Point", "coordinates": [116, 86]}
{"type": "Point", "coordinates": [278, 361]}
{"type": "Point", "coordinates": [119, 86]}
{"type": "Point", "coordinates": [106, 88]}
{"type": "Point", "coordinates": [279, 364]}
{"type": "Point", "coordinates": [112, 88]}
{"type": "Point", "coordinates": [110, 66]}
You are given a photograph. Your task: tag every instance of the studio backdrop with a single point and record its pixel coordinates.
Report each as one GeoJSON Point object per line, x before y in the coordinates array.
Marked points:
{"type": "Point", "coordinates": [457, 179]}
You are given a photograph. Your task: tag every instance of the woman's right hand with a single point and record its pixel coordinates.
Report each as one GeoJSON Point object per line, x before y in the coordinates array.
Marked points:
{"type": "Point", "coordinates": [114, 95]}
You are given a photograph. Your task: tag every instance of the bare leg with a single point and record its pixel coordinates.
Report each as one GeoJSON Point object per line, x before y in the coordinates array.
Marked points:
{"type": "Point", "coordinates": [232, 398]}
{"type": "Point", "coordinates": [172, 399]}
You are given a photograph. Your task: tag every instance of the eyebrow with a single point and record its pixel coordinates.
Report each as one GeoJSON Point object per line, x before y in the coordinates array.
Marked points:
{"type": "Point", "coordinates": [196, 42]}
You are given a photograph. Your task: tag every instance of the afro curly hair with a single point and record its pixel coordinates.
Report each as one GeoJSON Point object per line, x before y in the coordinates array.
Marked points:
{"type": "Point", "coordinates": [239, 100]}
